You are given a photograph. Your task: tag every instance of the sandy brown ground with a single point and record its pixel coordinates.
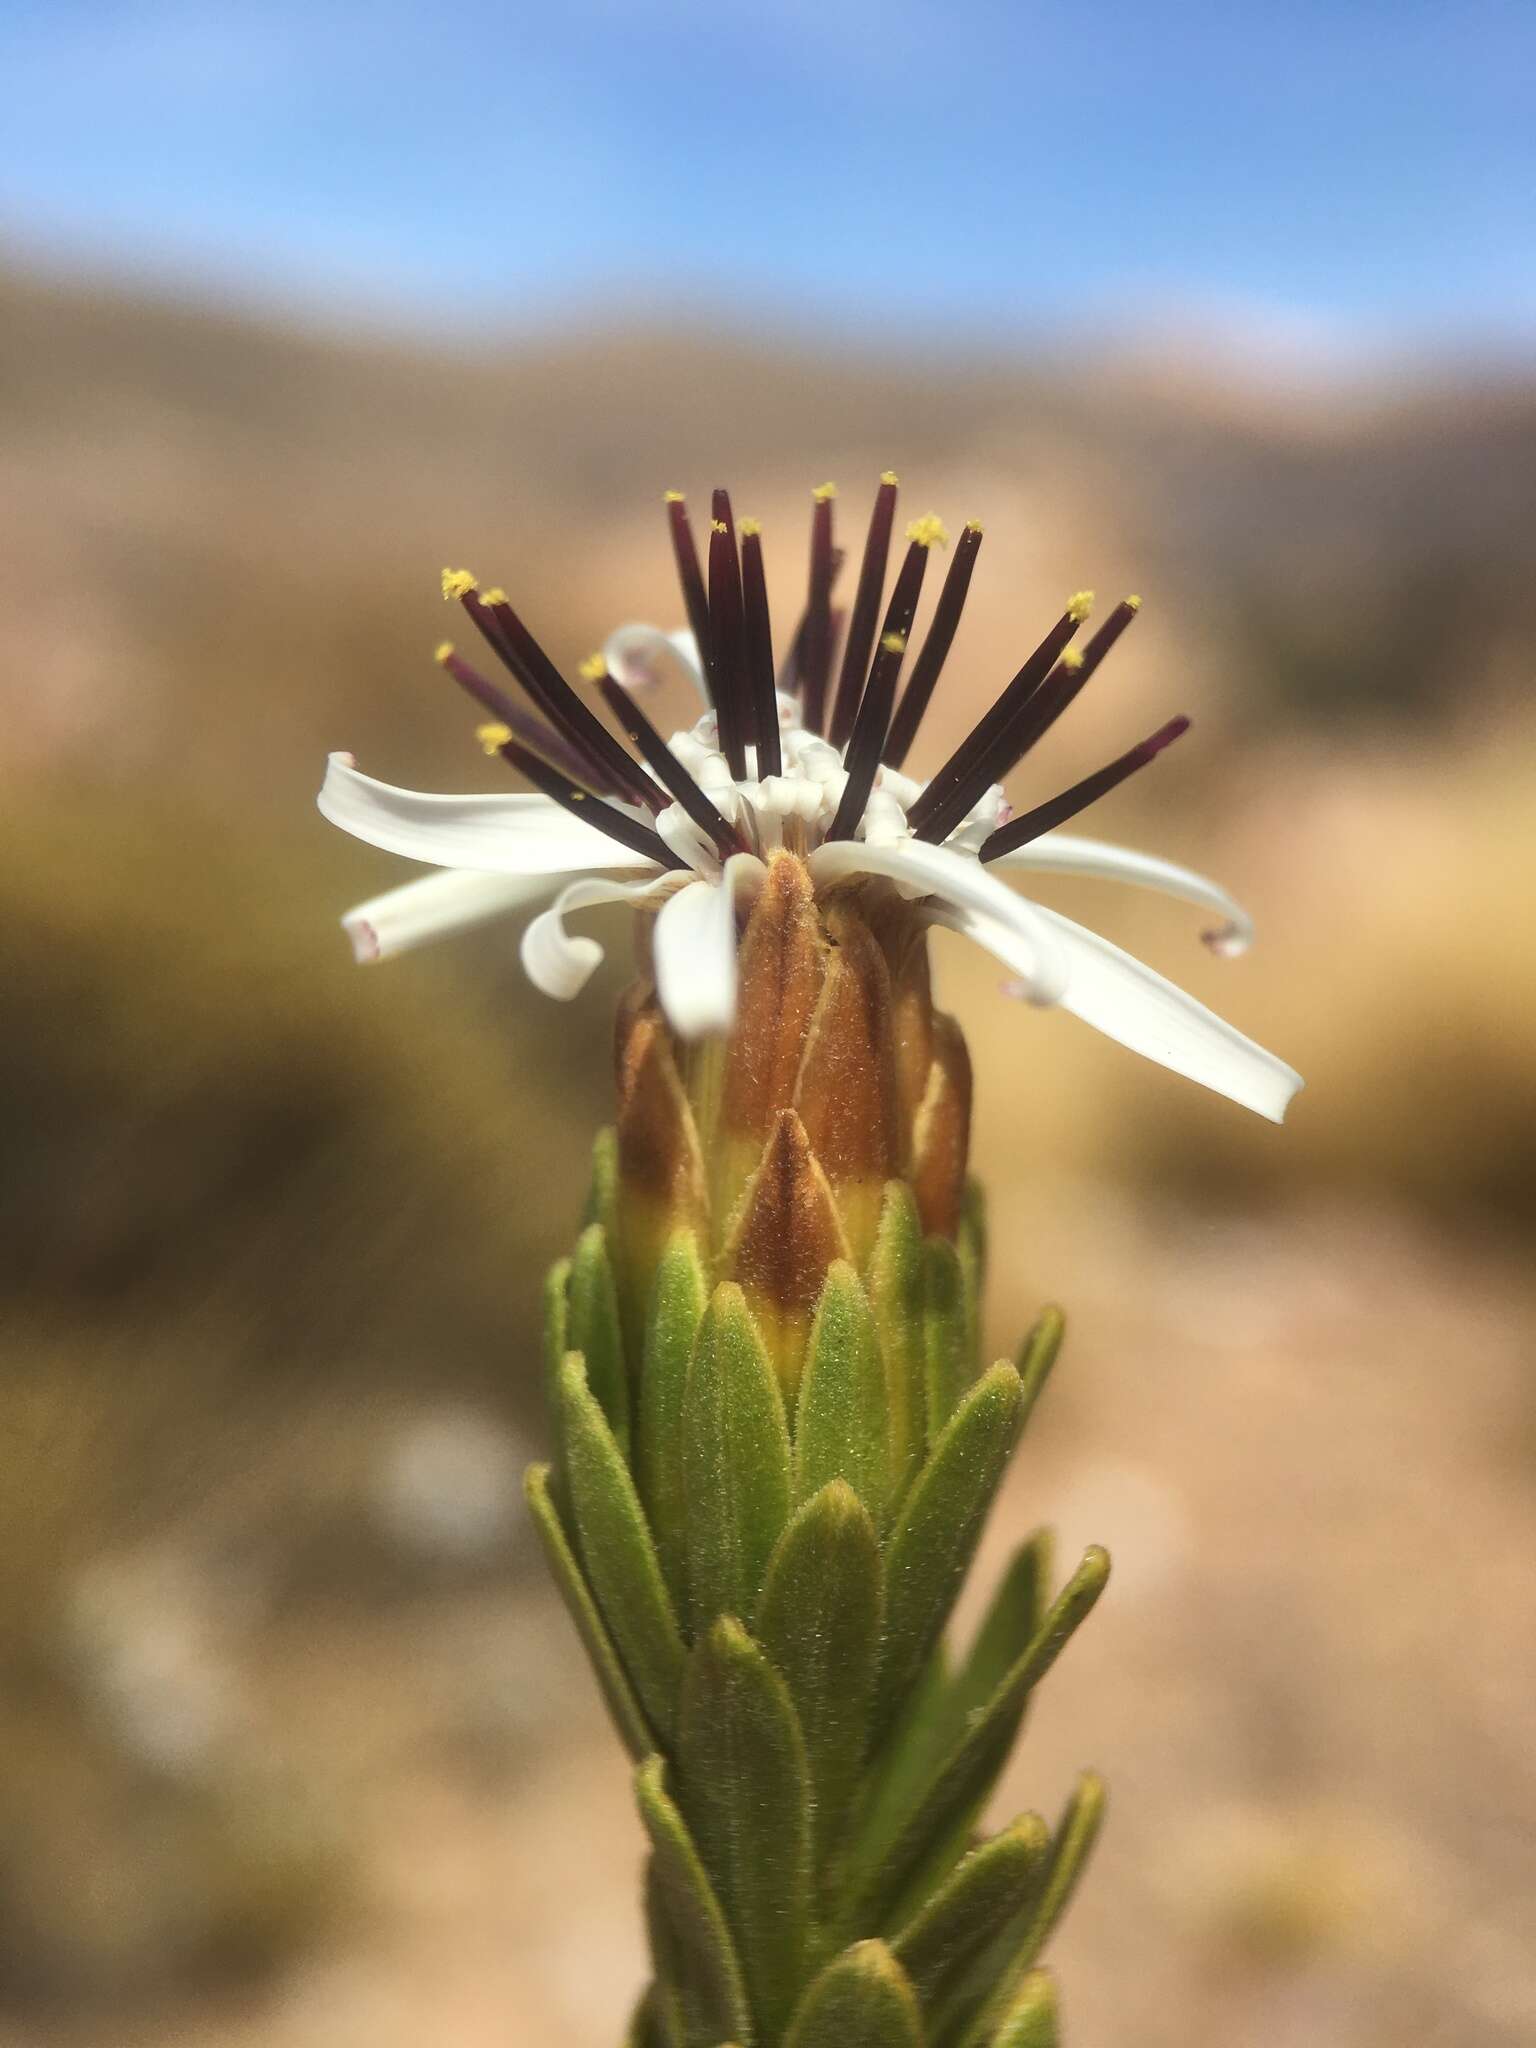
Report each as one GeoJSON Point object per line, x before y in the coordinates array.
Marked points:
{"type": "Point", "coordinates": [1313, 1453]}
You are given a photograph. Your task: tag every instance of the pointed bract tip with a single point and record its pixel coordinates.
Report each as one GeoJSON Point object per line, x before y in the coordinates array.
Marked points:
{"type": "Point", "coordinates": [593, 669]}
{"type": "Point", "coordinates": [672, 497]}
{"type": "Point", "coordinates": [1079, 605]}
{"type": "Point", "coordinates": [928, 532]}
{"type": "Point", "coordinates": [493, 736]}
{"type": "Point", "coordinates": [889, 476]}
{"type": "Point", "coordinates": [458, 583]}
{"type": "Point", "coordinates": [824, 491]}
{"type": "Point", "coordinates": [444, 653]}
{"type": "Point", "coordinates": [747, 527]}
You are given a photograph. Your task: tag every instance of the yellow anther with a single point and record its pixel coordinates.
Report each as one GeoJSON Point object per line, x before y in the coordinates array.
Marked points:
{"type": "Point", "coordinates": [672, 497]}
{"type": "Point", "coordinates": [444, 652]}
{"type": "Point", "coordinates": [929, 531]}
{"type": "Point", "coordinates": [894, 643]}
{"type": "Point", "coordinates": [1072, 660]}
{"type": "Point", "coordinates": [495, 595]}
{"type": "Point", "coordinates": [718, 526]}
{"type": "Point", "coordinates": [973, 526]}
{"type": "Point", "coordinates": [493, 737]}
{"type": "Point", "coordinates": [1079, 605]}
{"type": "Point", "coordinates": [593, 669]}
{"type": "Point", "coordinates": [1133, 604]}
{"type": "Point", "coordinates": [457, 583]}
{"type": "Point", "coordinates": [889, 476]}
{"type": "Point", "coordinates": [824, 491]}
{"type": "Point", "coordinates": [747, 527]}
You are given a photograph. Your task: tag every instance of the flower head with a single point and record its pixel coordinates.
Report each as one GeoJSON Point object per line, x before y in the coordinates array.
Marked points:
{"type": "Point", "coordinates": [789, 762]}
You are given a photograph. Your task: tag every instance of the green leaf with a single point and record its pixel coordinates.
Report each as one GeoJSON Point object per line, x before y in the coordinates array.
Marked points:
{"type": "Point", "coordinates": [1013, 1619]}
{"type": "Point", "coordinates": [938, 1529]}
{"type": "Point", "coordinates": [981, 1896]}
{"type": "Point", "coordinates": [735, 1461]}
{"type": "Point", "coordinates": [841, 1425]}
{"type": "Point", "coordinates": [1038, 1353]}
{"type": "Point", "coordinates": [896, 1295]}
{"type": "Point", "coordinates": [556, 1318]}
{"type": "Point", "coordinates": [603, 1193]}
{"type": "Point", "coordinates": [971, 1244]}
{"type": "Point", "coordinates": [949, 1363]}
{"type": "Point", "coordinates": [862, 1999]}
{"type": "Point", "coordinates": [592, 1328]}
{"type": "Point", "coordinates": [677, 1304]}
{"type": "Point", "coordinates": [1076, 1833]}
{"type": "Point", "coordinates": [943, 1816]}
{"type": "Point", "coordinates": [1031, 2018]}
{"type": "Point", "coordinates": [819, 1621]}
{"type": "Point", "coordinates": [663, 2006]}
{"type": "Point", "coordinates": [744, 1784]}
{"type": "Point", "coordinates": [703, 1961]}
{"type": "Point", "coordinates": [616, 1689]}
{"type": "Point", "coordinates": [617, 1550]}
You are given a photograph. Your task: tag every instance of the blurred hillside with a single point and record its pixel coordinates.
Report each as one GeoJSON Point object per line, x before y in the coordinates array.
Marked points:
{"type": "Point", "coordinates": [271, 1229]}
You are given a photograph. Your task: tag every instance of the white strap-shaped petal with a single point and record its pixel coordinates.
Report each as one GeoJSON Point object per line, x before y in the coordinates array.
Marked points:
{"type": "Point", "coordinates": [504, 835]}
{"type": "Point", "coordinates": [640, 656]}
{"type": "Point", "coordinates": [1128, 1002]}
{"type": "Point", "coordinates": [695, 951]}
{"type": "Point", "coordinates": [561, 963]}
{"type": "Point", "coordinates": [435, 907]}
{"type": "Point", "coordinates": [959, 881]}
{"type": "Point", "coordinates": [1063, 853]}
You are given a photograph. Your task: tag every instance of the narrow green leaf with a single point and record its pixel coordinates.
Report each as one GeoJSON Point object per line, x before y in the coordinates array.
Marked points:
{"type": "Point", "coordinates": [663, 2004]}
{"type": "Point", "coordinates": [943, 1816]}
{"type": "Point", "coordinates": [842, 1423]}
{"type": "Point", "coordinates": [1038, 1353]}
{"type": "Point", "coordinates": [556, 1318]}
{"type": "Point", "coordinates": [602, 1193]}
{"type": "Point", "coordinates": [940, 1525]}
{"type": "Point", "coordinates": [971, 1244]}
{"type": "Point", "coordinates": [1071, 1845]}
{"type": "Point", "coordinates": [677, 1304]}
{"type": "Point", "coordinates": [744, 1784]}
{"type": "Point", "coordinates": [976, 1903]}
{"type": "Point", "coordinates": [617, 1550]}
{"type": "Point", "coordinates": [735, 1461]}
{"type": "Point", "coordinates": [592, 1328]}
{"type": "Point", "coordinates": [949, 1363]}
{"type": "Point", "coordinates": [862, 1999]}
{"type": "Point", "coordinates": [819, 1621]}
{"type": "Point", "coordinates": [1014, 1617]}
{"type": "Point", "coordinates": [896, 1295]}
{"type": "Point", "coordinates": [1031, 2018]}
{"type": "Point", "coordinates": [704, 1965]}
{"type": "Point", "coordinates": [646, 2029]}
{"type": "Point", "coordinates": [617, 1692]}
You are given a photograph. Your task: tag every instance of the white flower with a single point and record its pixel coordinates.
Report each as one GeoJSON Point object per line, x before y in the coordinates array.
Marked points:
{"type": "Point", "coordinates": [688, 833]}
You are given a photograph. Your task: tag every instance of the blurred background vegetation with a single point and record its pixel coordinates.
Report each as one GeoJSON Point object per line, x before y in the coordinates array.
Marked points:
{"type": "Point", "coordinates": [296, 1749]}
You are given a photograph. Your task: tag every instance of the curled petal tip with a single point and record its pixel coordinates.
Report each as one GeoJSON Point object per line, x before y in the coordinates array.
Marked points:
{"type": "Point", "coordinates": [365, 940]}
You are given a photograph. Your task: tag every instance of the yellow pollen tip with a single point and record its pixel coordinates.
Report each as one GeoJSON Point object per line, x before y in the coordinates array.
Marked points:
{"type": "Point", "coordinates": [894, 643]}
{"type": "Point", "coordinates": [824, 491]}
{"type": "Point", "coordinates": [593, 669]}
{"type": "Point", "coordinates": [1072, 660]}
{"type": "Point", "coordinates": [444, 652]}
{"type": "Point", "coordinates": [928, 532]}
{"type": "Point", "coordinates": [1133, 604]}
{"type": "Point", "coordinates": [1079, 605]}
{"type": "Point", "coordinates": [495, 595]}
{"type": "Point", "coordinates": [889, 476]}
{"type": "Point", "coordinates": [457, 583]}
{"type": "Point", "coordinates": [973, 526]}
{"type": "Point", "coordinates": [747, 527]}
{"type": "Point", "coordinates": [718, 526]}
{"type": "Point", "coordinates": [493, 737]}
{"type": "Point", "coordinates": [672, 497]}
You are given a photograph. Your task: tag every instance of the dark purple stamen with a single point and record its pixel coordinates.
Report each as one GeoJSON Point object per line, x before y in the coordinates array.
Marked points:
{"type": "Point", "coordinates": [1059, 689]}
{"type": "Point", "coordinates": [654, 750]}
{"type": "Point", "coordinates": [1046, 817]}
{"type": "Point", "coordinates": [727, 633]}
{"type": "Point", "coordinates": [691, 577]}
{"type": "Point", "coordinates": [592, 810]}
{"type": "Point", "coordinates": [869, 729]}
{"type": "Point", "coordinates": [505, 632]}
{"type": "Point", "coordinates": [533, 732]}
{"type": "Point", "coordinates": [815, 638]}
{"type": "Point", "coordinates": [962, 778]}
{"type": "Point", "coordinates": [866, 612]}
{"type": "Point", "coordinates": [759, 638]}
{"type": "Point", "coordinates": [935, 649]}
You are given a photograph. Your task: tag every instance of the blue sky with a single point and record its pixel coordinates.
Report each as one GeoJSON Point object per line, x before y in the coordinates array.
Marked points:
{"type": "Point", "coordinates": [1347, 176]}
